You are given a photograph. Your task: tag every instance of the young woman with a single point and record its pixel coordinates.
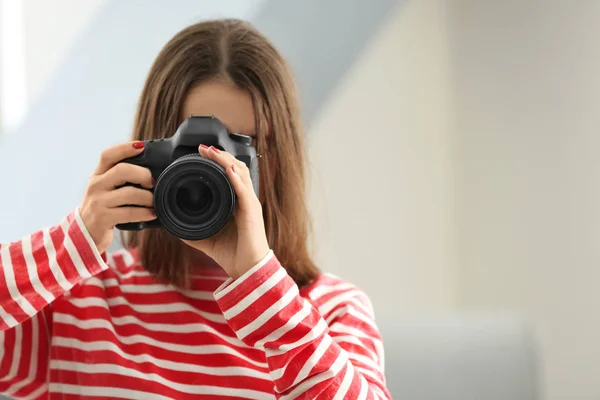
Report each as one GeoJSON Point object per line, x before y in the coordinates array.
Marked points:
{"type": "Point", "coordinates": [244, 314]}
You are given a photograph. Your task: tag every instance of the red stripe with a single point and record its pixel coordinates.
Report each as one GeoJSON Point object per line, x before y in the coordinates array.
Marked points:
{"type": "Point", "coordinates": [249, 284]}
{"type": "Point", "coordinates": [84, 249]}
{"type": "Point", "coordinates": [42, 262]}
{"type": "Point", "coordinates": [302, 329]}
{"type": "Point", "coordinates": [261, 304]}
{"type": "Point", "coordinates": [177, 376]}
{"type": "Point", "coordinates": [143, 347]}
{"type": "Point", "coordinates": [22, 277]}
{"type": "Point", "coordinates": [297, 363]}
{"type": "Point", "coordinates": [28, 389]}
{"type": "Point", "coordinates": [331, 387]}
{"type": "Point", "coordinates": [7, 359]}
{"type": "Point", "coordinates": [62, 257]}
{"type": "Point", "coordinates": [115, 381]}
{"type": "Point", "coordinates": [8, 303]}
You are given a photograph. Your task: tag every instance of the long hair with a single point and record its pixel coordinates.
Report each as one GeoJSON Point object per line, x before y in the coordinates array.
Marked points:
{"type": "Point", "coordinates": [236, 51]}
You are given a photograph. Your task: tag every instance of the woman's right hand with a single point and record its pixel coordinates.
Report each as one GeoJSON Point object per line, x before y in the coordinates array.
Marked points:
{"type": "Point", "coordinates": [106, 204]}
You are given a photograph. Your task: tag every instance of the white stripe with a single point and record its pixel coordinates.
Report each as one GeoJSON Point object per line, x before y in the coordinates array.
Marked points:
{"type": "Point", "coordinates": [70, 248]}
{"type": "Point", "coordinates": [378, 392]}
{"type": "Point", "coordinates": [127, 257]}
{"type": "Point", "coordinates": [20, 383]}
{"type": "Point", "coordinates": [2, 339]}
{"type": "Point", "coordinates": [152, 288]}
{"type": "Point", "coordinates": [288, 326]}
{"type": "Point", "coordinates": [134, 273]}
{"type": "Point", "coordinates": [102, 345]}
{"type": "Point", "coordinates": [7, 318]}
{"type": "Point", "coordinates": [144, 308]}
{"type": "Point", "coordinates": [256, 294]}
{"type": "Point", "coordinates": [16, 351]}
{"type": "Point", "coordinates": [322, 290]}
{"type": "Point", "coordinates": [365, 360]}
{"type": "Point", "coordinates": [32, 268]}
{"type": "Point", "coordinates": [231, 284]}
{"type": "Point", "coordinates": [53, 262]}
{"type": "Point", "coordinates": [104, 391]}
{"type": "Point", "coordinates": [89, 239]}
{"type": "Point", "coordinates": [152, 377]}
{"type": "Point", "coordinates": [140, 338]}
{"type": "Point", "coordinates": [350, 310]}
{"type": "Point", "coordinates": [38, 392]}
{"type": "Point", "coordinates": [364, 387]}
{"type": "Point", "coordinates": [313, 360]}
{"type": "Point", "coordinates": [335, 369]}
{"type": "Point", "coordinates": [369, 373]}
{"type": "Point", "coordinates": [286, 299]}
{"type": "Point", "coordinates": [379, 349]}
{"type": "Point", "coordinates": [355, 341]}
{"type": "Point", "coordinates": [368, 311]}
{"type": "Point", "coordinates": [341, 328]}
{"type": "Point", "coordinates": [311, 335]}
{"type": "Point", "coordinates": [278, 373]}
{"type": "Point", "coordinates": [343, 389]}
{"type": "Point", "coordinates": [340, 299]}
{"type": "Point", "coordinates": [11, 283]}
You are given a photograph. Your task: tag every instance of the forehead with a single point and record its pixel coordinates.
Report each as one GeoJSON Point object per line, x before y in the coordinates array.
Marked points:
{"type": "Point", "coordinates": [232, 105]}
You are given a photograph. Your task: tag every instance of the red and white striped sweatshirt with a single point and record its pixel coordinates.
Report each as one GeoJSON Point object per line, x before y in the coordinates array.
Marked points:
{"type": "Point", "coordinates": [75, 323]}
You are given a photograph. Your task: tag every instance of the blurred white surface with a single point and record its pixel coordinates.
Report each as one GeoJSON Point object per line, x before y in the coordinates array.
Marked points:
{"type": "Point", "coordinates": [460, 358]}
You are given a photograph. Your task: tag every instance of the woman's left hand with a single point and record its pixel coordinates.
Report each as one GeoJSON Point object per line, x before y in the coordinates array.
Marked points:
{"type": "Point", "coordinates": [242, 243]}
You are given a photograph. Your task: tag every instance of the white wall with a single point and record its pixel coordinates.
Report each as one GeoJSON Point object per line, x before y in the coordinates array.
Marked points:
{"type": "Point", "coordinates": [528, 79]}
{"type": "Point", "coordinates": [51, 28]}
{"type": "Point", "coordinates": [36, 37]}
{"type": "Point", "coordinates": [381, 159]}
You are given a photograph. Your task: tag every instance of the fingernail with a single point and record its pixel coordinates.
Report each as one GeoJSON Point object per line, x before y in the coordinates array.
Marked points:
{"type": "Point", "coordinates": [138, 145]}
{"type": "Point", "coordinates": [213, 148]}
{"type": "Point", "coordinates": [233, 168]}
{"type": "Point", "coordinates": [153, 182]}
{"type": "Point", "coordinates": [204, 146]}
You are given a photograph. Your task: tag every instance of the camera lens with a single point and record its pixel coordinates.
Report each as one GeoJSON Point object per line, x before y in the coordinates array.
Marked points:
{"type": "Point", "coordinates": [193, 198]}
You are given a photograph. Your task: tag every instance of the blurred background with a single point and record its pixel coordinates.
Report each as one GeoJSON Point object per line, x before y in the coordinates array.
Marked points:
{"type": "Point", "coordinates": [454, 172]}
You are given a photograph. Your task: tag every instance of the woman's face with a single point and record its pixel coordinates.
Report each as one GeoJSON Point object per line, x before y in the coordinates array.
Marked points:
{"type": "Point", "coordinates": [231, 105]}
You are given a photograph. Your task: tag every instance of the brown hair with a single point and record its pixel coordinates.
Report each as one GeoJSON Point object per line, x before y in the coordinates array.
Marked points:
{"type": "Point", "coordinates": [236, 51]}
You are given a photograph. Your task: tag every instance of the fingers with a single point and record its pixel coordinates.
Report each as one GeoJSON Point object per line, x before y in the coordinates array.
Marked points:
{"type": "Point", "coordinates": [126, 173]}
{"type": "Point", "coordinates": [113, 155]}
{"type": "Point", "coordinates": [226, 160]}
{"type": "Point", "coordinates": [124, 215]}
{"type": "Point", "coordinates": [238, 175]}
{"type": "Point", "coordinates": [244, 193]}
{"type": "Point", "coordinates": [129, 195]}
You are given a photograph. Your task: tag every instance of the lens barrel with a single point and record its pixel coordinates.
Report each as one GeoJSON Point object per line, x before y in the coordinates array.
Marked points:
{"type": "Point", "coordinates": [193, 198]}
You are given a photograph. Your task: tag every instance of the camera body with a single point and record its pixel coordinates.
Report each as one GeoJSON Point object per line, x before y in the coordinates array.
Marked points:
{"type": "Point", "coordinates": [193, 197]}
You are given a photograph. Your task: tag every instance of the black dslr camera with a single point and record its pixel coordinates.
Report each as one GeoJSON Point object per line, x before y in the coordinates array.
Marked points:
{"type": "Point", "coordinates": [193, 197]}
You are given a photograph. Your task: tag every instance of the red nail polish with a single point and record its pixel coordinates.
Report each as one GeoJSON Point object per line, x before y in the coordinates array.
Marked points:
{"type": "Point", "coordinates": [153, 182]}
{"type": "Point", "coordinates": [233, 168]}
{"type": "Point", "coordinates": [138, 145]}
{"type": "Point", "coordinates": [213, 148]}
{"type": "Point", "coordinates": [204, 146]}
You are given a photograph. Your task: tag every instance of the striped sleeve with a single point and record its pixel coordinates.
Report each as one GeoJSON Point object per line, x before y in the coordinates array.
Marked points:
{"type": "Point", "coordinates": [306, 357]}
{"type": "Point", "coordinates": [34, 272]}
